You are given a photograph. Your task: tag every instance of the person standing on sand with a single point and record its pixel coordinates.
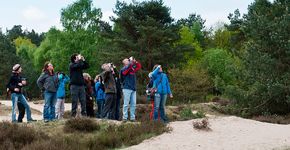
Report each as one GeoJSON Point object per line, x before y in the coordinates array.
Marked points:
{"type": "Point", "coordinates": [48, 83]}
{"type": "Point", "coordinates": [14, 86]}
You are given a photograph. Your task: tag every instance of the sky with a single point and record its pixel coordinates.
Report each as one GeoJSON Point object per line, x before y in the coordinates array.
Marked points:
{"type": "Point", "coordinates": [41, 15]}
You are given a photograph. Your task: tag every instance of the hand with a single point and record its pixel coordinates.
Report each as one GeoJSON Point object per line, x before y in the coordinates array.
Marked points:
{"type": "Point", "coordinates": [131, 58]}
{"type": "Point", "coordinates": [16, 89]}
{"type": "Point", "coordinates": [83, 58]}
{"type": "Point", "coordinates": [171, 96]}
{"type": "Point", "coordinates": [7, 89]}
{"type": "Point", "coordinates": [23, 82]}
{"type": "Point", "coordinates": [20, 84]}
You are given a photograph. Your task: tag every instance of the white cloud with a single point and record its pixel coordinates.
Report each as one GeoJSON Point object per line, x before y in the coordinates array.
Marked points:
{"type": "Point", "coordinates": [32, 13]}
{"type": "Point", "coordinates": [106, 16]}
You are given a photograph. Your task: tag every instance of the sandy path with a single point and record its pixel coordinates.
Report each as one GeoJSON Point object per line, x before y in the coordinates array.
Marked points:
{"type": "Point", "coordinates": [228, 133]}
{"type": "Point", "coordinates": [37, 107]}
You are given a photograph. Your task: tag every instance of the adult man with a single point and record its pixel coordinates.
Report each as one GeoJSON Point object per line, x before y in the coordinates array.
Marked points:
{"type": "Point", "coordinates": [128, 78]}
{"type": "Point", "coordinates": [77, 83]}
{"type": "Point", "coordinates": [110, 90]}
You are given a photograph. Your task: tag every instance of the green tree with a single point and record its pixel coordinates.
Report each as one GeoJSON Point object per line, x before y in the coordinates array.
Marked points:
{"type": "Point", "coordinates": [189, 41]}
{"type": "Point", "coordinates": [145, 30]}
{"type": "Point", "coordinates": [196, 24]}
{"type": "Point", "coordinates": [8, 59]}
{"type": "Point", "coordinates": [24, 48]}
{"type": "Point", "coordinates": [81, 22]}
{"type": "Point", "coordinates": [265, 80]}
{"type": "Point", "coordinates": [221, 66]}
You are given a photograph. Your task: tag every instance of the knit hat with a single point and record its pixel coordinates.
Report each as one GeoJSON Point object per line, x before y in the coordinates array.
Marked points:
{"type": "Point", "coordinates": [16, 68]}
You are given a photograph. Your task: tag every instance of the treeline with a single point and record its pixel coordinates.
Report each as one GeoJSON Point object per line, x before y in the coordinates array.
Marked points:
{"type": "Point", "coordinates": [246, 61]}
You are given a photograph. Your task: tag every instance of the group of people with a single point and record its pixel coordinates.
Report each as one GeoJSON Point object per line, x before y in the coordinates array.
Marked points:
{"type": "Point", "coordinates": [106, 89]}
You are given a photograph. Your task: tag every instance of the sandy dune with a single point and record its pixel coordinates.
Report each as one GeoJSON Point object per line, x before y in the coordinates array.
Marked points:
{"type": "Point", "coordinates": [228, 133]}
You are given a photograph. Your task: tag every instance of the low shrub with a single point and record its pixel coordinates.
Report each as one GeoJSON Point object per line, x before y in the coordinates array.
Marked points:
{"type": "Point", "coordinates": [81, 125]}
{"type": "Point", "coordinates": [187, 114]}
{"type": "Point", "coordinates": [201, 125]}
{"type": "Point", "coordinates": [14, 136]}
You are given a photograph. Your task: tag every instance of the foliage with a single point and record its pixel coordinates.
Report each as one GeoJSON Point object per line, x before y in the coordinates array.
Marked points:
{"type": "Point", "coordinates": [190, 84]}
{"type": "Point", "coordinates": [81, 125]}
{"type": "Point", "coordinates": [189, 39]}
{"type": "Point", "coordinates": [8, 59]}
{"type": "Point", "coordinates": [221, 66]}
{"type": "Point", "coordinates": [187, 114]}
{"type": "Point", "coordinates": [16, 136]}
{"type": "Point", "coordinates": [264, 83]}
{"type": "Point", "coordinates": [145, 30]}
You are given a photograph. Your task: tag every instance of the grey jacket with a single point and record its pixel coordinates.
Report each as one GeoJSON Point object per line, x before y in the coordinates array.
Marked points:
{"type": "Point", "coordinates": [47, 82]}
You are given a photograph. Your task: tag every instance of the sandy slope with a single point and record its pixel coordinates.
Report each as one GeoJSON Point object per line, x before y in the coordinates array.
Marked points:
{"type": "Point", "coordinates": [228, 133]}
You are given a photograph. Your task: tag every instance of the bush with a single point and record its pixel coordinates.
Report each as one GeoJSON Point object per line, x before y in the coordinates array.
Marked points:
{"type": "Point", "coordinates": [221, 66]}
{"type": "Point", "coordinates": [186, 114]}
{"type": "Point", "coordinates": [14, 136]}
{"type": "Point", "coordinates": [81, 125]}
{"type": "Point", "coordinates": [189, 85]}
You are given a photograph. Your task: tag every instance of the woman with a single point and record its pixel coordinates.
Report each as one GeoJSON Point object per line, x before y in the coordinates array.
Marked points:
{"type": "Point", "coordinates": [14, 86]}
{"type": "Point", "coordinates": [161, 84]}
{"type": "Point", "coordinates": [89, 95]}
{"type": "Point", "coordinates": [48, 83]}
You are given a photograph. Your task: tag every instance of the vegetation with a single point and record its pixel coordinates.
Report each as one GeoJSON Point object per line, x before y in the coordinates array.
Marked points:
{"type": "Point", "coordinates": [51, 136]}
{"type": "Point", "coordinates": [246, 60]}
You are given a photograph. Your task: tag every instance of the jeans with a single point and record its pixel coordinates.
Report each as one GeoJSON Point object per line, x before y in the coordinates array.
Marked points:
{"type": "Point", "coordinates": [18, 97]}
{"type": "Point", "coordinates": [59, 108]}
{"type": "Point", "coordinates": [129, 98]}
{"type": "Point", "coordinates": [159, 105]}
{"type": "Point", "coordinates": [78, 93]}
{"type": "Point", "coordinates": [49, 105]}
{"type": "Point", "coordinates": [100, 104]}
{"type": "Point", "coordinates": [21, 110]}
{"type": "Point", "coordinates": [110, 106]}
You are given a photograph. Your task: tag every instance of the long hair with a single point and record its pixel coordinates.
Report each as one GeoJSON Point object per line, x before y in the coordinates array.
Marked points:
{"type": "Point", "coordinates": [45, 67]}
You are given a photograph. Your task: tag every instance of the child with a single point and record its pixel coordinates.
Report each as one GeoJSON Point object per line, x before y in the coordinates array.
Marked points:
{"type": "Point", "coordinates": [100, 95]}
{"type": "Point", "coordinates": [62, 80]}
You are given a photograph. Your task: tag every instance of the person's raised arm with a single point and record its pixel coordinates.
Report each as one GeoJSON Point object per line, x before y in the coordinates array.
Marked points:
{"type": "Point", "coordinates": [136, 67]}
{"type": "Point", "coordinates": [155, 71]}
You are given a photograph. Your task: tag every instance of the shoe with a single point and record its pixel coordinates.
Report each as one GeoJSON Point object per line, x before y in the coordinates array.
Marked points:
{"type": "Point", "coordinates": [32, 120]}
{"type": "Point", "coordinates": [124, 120]}
{"type": "Point", "coordinates": [133, 120]}
{"type": "Point", "coordinates": [46, 121]}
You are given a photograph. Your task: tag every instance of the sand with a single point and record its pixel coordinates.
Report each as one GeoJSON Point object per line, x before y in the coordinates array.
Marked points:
{"type": "Point", "coordinates": [228, 133]}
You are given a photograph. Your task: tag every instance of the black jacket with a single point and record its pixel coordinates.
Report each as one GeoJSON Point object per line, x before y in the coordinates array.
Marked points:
{"type": "Point", "coordinates": [76, 72]}
{"type": "Point", "coordinates": [15, 79]}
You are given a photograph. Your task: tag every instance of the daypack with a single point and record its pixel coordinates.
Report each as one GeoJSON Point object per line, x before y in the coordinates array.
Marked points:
{"type": "Point", "coordinates": [149, 92]}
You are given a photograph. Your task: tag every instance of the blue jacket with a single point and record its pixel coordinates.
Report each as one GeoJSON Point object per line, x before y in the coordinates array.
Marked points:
{"type": "Point", "coordinates": [62, 80]}
{"type": "Point", "coordinates": [160, 81]}
{"type": "Point", "coordinates": [100, 94]}
{"type": "Point", "coordinates": [128, 76]}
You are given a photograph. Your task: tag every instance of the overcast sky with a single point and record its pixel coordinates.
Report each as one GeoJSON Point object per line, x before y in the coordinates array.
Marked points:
{"type": "Point", "coordinates": [40, 15]}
